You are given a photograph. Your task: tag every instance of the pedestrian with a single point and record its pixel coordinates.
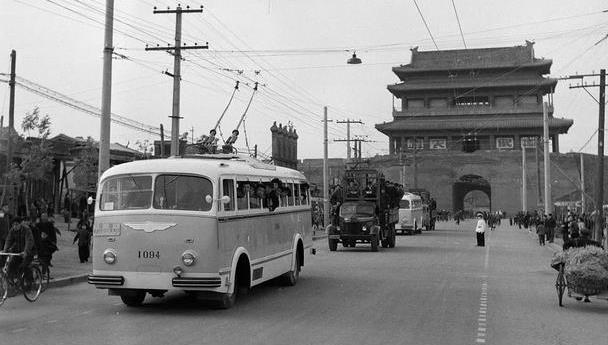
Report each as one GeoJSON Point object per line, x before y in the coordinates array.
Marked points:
{"type": "Point", "coordinates": [47, 239]}
{"type": "Point", "coordinates": [83, 236]}
{"type": "Point", "coordinates": [541, 232]}
{"type": "Point", "coordinates": [5, 224]}
{"type": "Point", "coordinates": [480, 230]}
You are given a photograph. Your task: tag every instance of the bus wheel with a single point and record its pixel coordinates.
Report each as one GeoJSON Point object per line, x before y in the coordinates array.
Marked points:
{"type": "Point", "coordinates": [333, 244]}
{"type": "Point", "coordinates": [133, 299]}
{"type": "Point", "coordinates": [374, 242]}
{"type": "Point", "coordinates": [291, 277]}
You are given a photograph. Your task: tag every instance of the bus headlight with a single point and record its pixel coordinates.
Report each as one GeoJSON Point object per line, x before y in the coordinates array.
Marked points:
{"type": "Point", "coordinates": [109, 256]}
{"type": "Point", "coordinates": [189, 258]}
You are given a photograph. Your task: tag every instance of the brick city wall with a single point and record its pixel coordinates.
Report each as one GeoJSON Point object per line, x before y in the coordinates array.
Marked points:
{"type": "Point", "coordinates": [438, 172]}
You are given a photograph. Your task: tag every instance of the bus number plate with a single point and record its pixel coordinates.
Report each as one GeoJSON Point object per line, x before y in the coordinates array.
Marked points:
{"type": "Point", "coordinates": [148, 254]}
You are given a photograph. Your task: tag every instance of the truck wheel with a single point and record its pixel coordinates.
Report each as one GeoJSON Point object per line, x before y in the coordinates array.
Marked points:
{"type": "Point", "coordinates": [374, 243]}
{"type": "Point", "coordinates": [392, 238]}
{"type": "Point", "coordinates": [333, 244]}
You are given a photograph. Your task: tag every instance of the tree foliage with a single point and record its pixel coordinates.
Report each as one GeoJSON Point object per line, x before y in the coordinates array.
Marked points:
{"type": "Point", "coordinates": [37, 161]}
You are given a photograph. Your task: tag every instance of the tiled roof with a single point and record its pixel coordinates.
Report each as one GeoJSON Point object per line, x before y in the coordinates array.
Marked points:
{"type": "Point", "coordinates": [415, 123]}
{"type": "Point", "coordinates": [473, 58]}
{"type": "Point", "coordinates": [420, 85]}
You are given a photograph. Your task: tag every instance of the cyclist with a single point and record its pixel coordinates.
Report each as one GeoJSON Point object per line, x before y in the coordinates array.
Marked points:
{"type": "Point", "coordinates": [19, 240]}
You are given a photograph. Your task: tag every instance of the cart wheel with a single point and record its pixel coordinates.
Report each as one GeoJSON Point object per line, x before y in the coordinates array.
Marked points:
{"type": "Point", "coordinates": [560, 285]}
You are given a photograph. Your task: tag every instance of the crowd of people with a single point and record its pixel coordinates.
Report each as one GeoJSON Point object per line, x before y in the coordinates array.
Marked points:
{"type": "Point", "coordinates": [36, 236]}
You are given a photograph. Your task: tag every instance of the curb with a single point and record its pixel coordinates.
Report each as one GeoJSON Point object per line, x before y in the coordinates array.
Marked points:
{"type": "Point", "coordinates": [65, 281]}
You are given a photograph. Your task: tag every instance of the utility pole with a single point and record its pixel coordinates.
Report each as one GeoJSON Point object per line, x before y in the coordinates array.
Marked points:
{"type": "Point", "coordinates": [106, 92]}
{"type": "Point", "coordinates": [162, 141]}
{"type": "Point", "coordinates": [547, 162]}
{"type": "Point", "coordinates": [348, 122]}
{"type": "Point", "coordinates": [599, 190]}
{"type": "Point", "coordinates": [325, 172]}
{"type": "Point", "coordinates": [540, 193]}
{"type": "Point", "coordinates": [175, 115]}
{"type": "Point", "coordinates": [524, 182]}
{"type": "Point", "coordinates": [415, 167]}
{"type": "Point", "coordinates": [11, 111]}
{"type": "Point", "coordinates": [357, 141]}
{"type": "Point", "coordinates": [582, 184]}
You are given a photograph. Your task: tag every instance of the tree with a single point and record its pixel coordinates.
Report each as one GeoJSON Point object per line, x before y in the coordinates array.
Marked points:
{"type": "Point", "coordinates": [86, 166]}
{"type": "Point", "coordinates": [37, 161]}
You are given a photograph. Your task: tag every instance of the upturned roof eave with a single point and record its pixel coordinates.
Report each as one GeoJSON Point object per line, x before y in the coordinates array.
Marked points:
{"type": "Point", "coordinates": [544, 66]}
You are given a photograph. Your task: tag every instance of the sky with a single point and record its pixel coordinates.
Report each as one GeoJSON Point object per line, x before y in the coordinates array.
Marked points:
{"type": "Point", "coordinates": [297, 52]}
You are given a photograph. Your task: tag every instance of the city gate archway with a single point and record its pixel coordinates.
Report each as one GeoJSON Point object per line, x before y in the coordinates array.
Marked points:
{"type": "Point", "coordinates": [471, 193]}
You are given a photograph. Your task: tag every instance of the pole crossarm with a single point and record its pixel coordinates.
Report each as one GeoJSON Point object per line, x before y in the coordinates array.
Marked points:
{"type": "Point", "coordinates": [179, 9]}
{"type": "Point", "coordinates": [184, 47]}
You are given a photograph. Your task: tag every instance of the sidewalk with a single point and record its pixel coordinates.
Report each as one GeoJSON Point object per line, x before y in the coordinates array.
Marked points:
{"type": "Point", "coordinates": [555, 247]}
{"type": "Point", "coordinates": [67, 268]}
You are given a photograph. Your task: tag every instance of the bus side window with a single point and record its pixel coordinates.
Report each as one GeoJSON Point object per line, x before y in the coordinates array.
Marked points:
{"type": "Point", "coordinates": [289, 190]}
{"type": "Point", "coordinates": [228, 190]}
{"type": "Point", "coordinates": [255, 202]}
{"type": "Point", "coordinates": [296, 193]}
{"type": "Point", "coordinates": [304, 194]}
{"type": "Point", "coordinates": [242, 195]}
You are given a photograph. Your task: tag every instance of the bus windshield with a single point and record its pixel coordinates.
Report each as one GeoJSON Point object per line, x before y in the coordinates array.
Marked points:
{"type": "Point", "coordinates": [179, 192]}
{"type": "Point", "coordinates": [352, 210]}
{"type": "Point", "coordinates": [404, 204]}
{"type": "Point", "coordinates": [126, 193]}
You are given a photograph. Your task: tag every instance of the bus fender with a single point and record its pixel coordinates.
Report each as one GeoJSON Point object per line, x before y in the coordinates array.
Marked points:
{"type": "Point", "coordinates": [235, 260]}
{"type": "Point", "coordinates": [296, 240]}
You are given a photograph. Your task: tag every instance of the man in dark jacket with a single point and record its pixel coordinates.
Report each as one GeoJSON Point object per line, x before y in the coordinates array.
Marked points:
{"type": "Point", "coordinates": [47, 244]}
{"type": "Point", "coordinates": [83, 236]}
{"type": "Point", "coordinates": [20, 240]}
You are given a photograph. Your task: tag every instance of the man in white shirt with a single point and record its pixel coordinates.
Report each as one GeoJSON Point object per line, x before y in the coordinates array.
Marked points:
{"type": "Point", "coordinates": [480, 230]}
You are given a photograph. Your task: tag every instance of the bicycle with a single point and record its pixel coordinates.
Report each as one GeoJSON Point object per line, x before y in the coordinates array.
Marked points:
{"type": "Point", "coordinates": [45, 270]}
{"type": "Point", "coordinates": [30, 285]}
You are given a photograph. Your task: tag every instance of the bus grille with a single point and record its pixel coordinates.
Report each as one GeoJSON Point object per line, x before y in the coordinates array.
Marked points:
{"type": "Point", "coordinates": [197, 282]}
{"type": "Point", "coordinates": [106, 280]}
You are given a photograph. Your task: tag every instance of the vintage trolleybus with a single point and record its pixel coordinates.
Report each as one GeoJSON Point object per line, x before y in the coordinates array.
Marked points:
{"type": "Point", "coordinates": [212, 225]}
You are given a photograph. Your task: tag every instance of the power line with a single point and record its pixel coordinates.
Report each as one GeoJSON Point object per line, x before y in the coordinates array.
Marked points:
{"type": "Point", "coordinates": [459, 26]}
{"type": "Point", "coordinates": [426, 25]}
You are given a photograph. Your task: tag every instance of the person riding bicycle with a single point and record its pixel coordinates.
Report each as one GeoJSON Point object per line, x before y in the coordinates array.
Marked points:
{"type": "Point", "coordinates": [19, 240]}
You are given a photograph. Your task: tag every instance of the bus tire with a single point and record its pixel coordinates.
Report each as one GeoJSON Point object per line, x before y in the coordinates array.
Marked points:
{"type": "Point", "coordinates": [374, 242]}
{"type": "Point", "coordinates": [134, 298]}
{"type": "Point", "coordinates": [291, 277]}
{"type": "Point", "coordinates": [333, 244]}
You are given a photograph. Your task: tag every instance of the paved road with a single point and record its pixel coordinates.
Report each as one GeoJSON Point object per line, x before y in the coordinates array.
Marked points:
{"type": "Point", "coordinates": [434, 288]}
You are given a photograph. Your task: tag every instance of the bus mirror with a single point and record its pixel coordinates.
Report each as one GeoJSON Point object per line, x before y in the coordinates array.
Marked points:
{"type": "Point", "coordinates": [225, 199]}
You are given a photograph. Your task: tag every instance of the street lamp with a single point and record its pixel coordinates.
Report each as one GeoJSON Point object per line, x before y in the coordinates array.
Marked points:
{"type": "Point", "coordinates": [354, 60]}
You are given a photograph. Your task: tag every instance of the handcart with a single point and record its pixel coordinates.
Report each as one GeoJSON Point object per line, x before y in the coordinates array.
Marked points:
{"type": "Point", "coordinates": [577, 291]}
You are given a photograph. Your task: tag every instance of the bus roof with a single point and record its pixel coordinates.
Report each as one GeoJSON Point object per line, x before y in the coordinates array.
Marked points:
{"type": "Point", "coordinates": [212, 166]}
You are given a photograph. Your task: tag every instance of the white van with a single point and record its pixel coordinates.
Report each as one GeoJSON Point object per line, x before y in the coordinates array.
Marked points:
{"type": "Point", "coordinates": [410, 214]}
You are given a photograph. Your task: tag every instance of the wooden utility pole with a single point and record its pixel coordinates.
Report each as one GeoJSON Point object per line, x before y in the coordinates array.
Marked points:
{"type": "Point", "coordinates": [524, 181]}
{"type": "Point", "coordinates": [547, 162]}
{"type": "Point", "coordinates": [583, 208]}
{"type": "Point", "coordinates": [599, 190]}
{"type": "Point", "coordinates": [325, 172]}
{"type": "Point", "coordinates": [348, 122]}
{"type": "Point", "coordinates": [11, 111]}
{"type": "Point", "coordinates": [177, 48]}
{"type": "Point", "coordinates": [106, 92]}
{"type": "Point", "coordinates": [162, 141]}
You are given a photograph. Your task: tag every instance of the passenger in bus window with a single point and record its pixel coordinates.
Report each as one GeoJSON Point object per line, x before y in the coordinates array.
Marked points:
{"type": "Point", "coordinates": [272, 198]}
{"type": "Point", "coordinates": [242, 190]}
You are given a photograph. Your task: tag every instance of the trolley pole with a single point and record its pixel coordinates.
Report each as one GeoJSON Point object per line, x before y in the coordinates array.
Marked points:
{"type": "Point", "coordinates": [11, 111]}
